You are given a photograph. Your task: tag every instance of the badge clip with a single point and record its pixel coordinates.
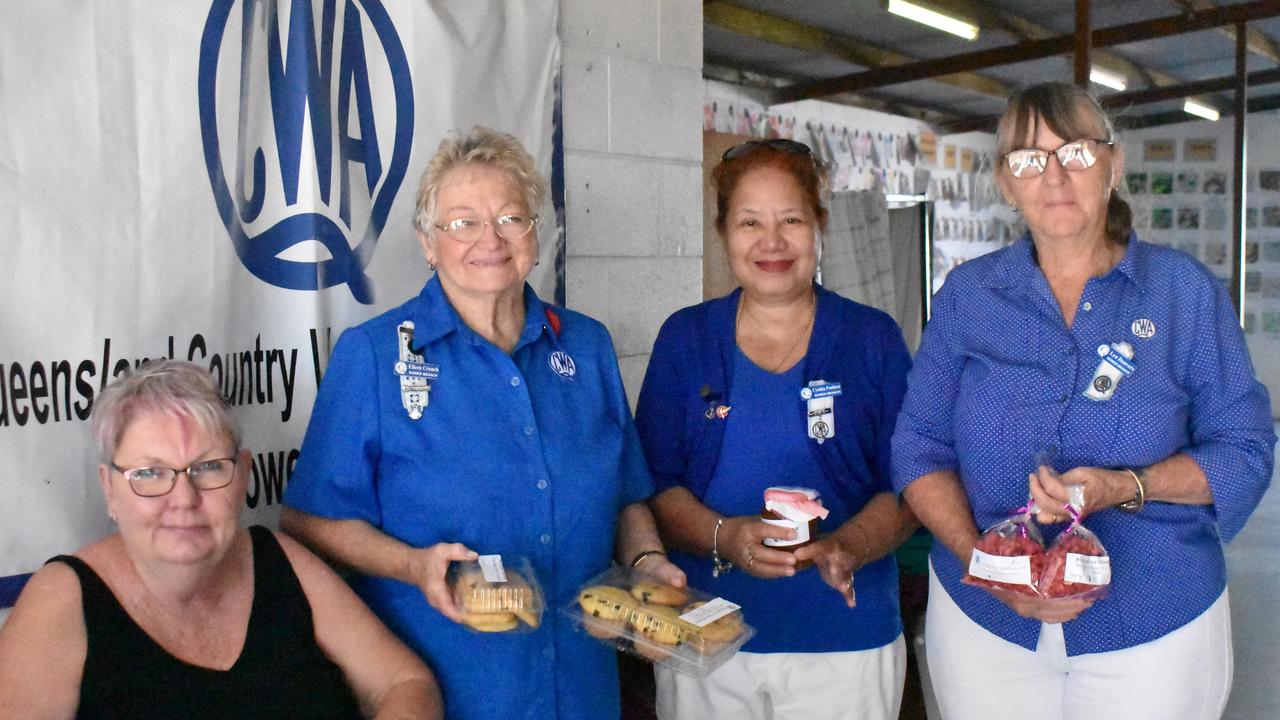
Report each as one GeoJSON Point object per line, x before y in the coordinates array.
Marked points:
{"type": "Point", "coordinates": [415, 373]}
{"type": "Point", "coordinates": [819, 397]}
{"type": "Point", "coordinates": [1116, 364]}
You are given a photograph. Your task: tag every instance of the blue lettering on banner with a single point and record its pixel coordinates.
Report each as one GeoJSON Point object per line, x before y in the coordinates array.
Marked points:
{"type": "Point", "coordinates": [299, 72]}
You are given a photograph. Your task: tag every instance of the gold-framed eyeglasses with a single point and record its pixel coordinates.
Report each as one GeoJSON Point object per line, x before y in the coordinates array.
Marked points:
{"type": "Point", "coordinates": [1074, 156]}
{"type": "Point", "coordinates": [471, 229]}
{"type": "Point", "coordinates": [157, 480]}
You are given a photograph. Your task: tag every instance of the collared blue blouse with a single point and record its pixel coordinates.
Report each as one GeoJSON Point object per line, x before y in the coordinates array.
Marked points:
{"type": "Point", "coordinates": [520, 454]}
{"type": "Point", "coordinates": [1000, 379]}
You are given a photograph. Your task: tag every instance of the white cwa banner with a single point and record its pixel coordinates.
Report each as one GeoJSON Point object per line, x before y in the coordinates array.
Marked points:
{"type": "Point", "coordinates": [229, 182]}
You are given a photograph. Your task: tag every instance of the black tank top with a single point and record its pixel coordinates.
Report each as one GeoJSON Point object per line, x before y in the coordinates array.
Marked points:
{"type": "Point", "coordinates": [281, 673]}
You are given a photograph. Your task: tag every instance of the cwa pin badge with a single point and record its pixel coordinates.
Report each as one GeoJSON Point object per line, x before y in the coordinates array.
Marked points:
{"type": "Point", "coordinates": [415, 373]}
{"type": "Point", "coordinates": [819, 396]}
{"type": "Point", "coordinates": [1116, 363]}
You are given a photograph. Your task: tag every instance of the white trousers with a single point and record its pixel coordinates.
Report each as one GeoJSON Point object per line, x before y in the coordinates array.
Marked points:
{"type": "Point", "coordinates": [861, 685]}
{"type": "Point", "coordinates": [1185, 675]}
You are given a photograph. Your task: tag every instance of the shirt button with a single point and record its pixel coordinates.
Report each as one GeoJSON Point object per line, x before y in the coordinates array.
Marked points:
{"type": "Point", "coordinates": [1088, 306]}
{"type": "Point", "coordinates": [528, 430]}
{"type": "Point", "coordinates": [515, 382]}
{"type": "Point", "coordinates": [1071, 350]}
{"type": "Point", "coordinates": [1064, 397]}
{"type": "Point", "coordinates": [542, 484]}
{"type": "Point", "coordinates": [546, 538]}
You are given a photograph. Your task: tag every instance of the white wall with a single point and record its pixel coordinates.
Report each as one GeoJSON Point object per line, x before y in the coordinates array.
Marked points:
{"type": "Point", "coordinates": [632, 106]}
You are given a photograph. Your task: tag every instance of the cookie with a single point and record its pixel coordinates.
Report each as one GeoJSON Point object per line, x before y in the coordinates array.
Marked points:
{"type": "Point", "coordinates": [723, 629]}
{"type": "Point", "coordinates": [659, 594]}
{"type": "Point", "coordinates": [607, 603]}
{"type": "Point", "coordinates": [490, 622]}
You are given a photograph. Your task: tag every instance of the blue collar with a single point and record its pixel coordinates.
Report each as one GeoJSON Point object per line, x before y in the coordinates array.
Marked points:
{"type": "Point", "coordinates": [435, 318]}
{"type": "Point", "coordinates": [1017, 265]}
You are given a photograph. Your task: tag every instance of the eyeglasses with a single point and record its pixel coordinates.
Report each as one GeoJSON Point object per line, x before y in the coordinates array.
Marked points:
{"type": "Point", "coordinates": [471, 229]}
{"type": "Point", "coordinates": [1073, 156]}
{"type": "Point", "coordinates": [791, 147]}
{"type": "Point", "coordinates": [156, 480]}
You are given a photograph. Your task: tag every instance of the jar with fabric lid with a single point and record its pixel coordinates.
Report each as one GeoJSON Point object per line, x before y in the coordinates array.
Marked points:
{"type": "Point", "coordinates": [796, 508]}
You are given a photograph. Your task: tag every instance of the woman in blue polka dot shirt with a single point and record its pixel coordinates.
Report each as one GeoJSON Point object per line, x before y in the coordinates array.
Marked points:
{"type": "Point", "coordinates": [1121, 366]}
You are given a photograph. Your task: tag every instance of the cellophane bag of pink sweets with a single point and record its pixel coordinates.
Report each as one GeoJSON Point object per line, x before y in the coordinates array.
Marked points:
{"type": "Point", "coordinates": [1009, 555]}
{"type": "Point", "coordinates": [1076, 565]}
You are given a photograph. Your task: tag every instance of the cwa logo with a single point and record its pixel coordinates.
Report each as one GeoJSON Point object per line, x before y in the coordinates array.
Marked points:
{"type": "Point", "coordinates": [306, 115]}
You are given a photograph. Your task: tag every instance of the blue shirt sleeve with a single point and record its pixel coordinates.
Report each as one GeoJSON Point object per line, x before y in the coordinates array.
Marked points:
{"type": "Point", "coordinates": [334, 477]}
{"type": "Point", "coordinates": [923, 442]}
{"type": "Point", "coordinates": [895, 363]}
{"type": "Point", "coordinates": [1232, 436]}
{"type": "Point", "coordinates": [636, 482]}
{"type": "Point", "coordinates": [661, 418]}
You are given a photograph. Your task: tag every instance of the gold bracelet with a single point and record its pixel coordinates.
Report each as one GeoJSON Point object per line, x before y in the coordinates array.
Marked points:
{"type": "Point", "coordinates": [1139, 499]}
{"type": "Point", "coordinates": [719, 565]}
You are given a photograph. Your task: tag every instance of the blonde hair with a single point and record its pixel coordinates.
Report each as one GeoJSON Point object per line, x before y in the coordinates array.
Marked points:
{"type": "Point", "coordinates": [173, 387]}
{"type": "Point", "coordinates": [481, 146]}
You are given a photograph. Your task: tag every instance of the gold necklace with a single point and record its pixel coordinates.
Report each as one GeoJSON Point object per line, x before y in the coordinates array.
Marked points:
{"type": "Point", "coordinates": [813, 308]}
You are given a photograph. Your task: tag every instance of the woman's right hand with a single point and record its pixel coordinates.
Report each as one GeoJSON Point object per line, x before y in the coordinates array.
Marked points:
{"type": "Point", "coordinates": [429, 566]}
{"type": "Point", "coordinates": [1049, 610]}
{"type": "Point", "coordinates": [743, 545]}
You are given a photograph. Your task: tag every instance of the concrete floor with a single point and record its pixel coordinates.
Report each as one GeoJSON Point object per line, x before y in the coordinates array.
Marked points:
{"type": "Point", "coordinates": [1253, 574]}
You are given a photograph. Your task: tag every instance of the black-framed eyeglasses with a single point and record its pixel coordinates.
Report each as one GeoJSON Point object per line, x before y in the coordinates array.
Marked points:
{"type": "Point", "coordinates": [158, 480]}
{"type": "Point", "coordinates": [1074, 156]}
{"type": "Point", "coordinates": [790, 147]}
{"type": "Point", "coordinates": [471, 229]}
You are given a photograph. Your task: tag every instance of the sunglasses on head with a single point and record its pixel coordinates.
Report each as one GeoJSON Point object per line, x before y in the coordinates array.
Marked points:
{"type": "Point", "coordinates": [791, 147]}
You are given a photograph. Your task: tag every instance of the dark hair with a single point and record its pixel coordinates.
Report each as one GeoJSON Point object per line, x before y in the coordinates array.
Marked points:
{"type": "Point", "coordinates": [804, 167]}
{"type": "Point", "coordinates": [1072, 114]}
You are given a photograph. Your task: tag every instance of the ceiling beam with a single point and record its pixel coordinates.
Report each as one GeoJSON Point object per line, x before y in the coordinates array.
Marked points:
{"type": "Point", "coordinates": [798, 36]}
{"type": "Point", "coordinates": [1258, 42]}
{"type": "Point", "coordinates": [1033, 50]}
{"type": "Point", "coordinates": [1144, 97]}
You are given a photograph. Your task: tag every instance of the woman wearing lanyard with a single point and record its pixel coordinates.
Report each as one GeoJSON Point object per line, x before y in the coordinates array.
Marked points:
{"type": "Point", "coordinates": [781, 384]}
{"type": "Point", "coordinates": [477, 419]}
{"type": "Point", "coordinates": [1119, 366]}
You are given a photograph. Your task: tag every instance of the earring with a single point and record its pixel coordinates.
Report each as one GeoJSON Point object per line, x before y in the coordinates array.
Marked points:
{"type": "Point", "coordinates": [111, 514]}
{"type": "Point", "coordinates": [431, 265]}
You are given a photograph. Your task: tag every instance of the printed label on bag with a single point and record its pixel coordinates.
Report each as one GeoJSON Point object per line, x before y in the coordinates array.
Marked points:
{"type": "Point", "coordinates": [802, 533]}
{"type": "Point", "coordinates": [1015, 570]}
{"type": "Point", "coordinates": [491, 566]}
{"type": "Point", "coordinates": [1087, 569]}
{"type": "Point", "coordinates": [713, 610]}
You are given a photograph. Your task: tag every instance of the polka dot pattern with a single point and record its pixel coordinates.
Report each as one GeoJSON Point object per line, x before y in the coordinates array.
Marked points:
{"type": "Point", "coordinates": [1000, 383]}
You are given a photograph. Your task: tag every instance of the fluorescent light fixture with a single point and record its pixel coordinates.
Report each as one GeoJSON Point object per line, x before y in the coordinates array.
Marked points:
{"type": "Point", "coordinates": [1192, 107]}
{"type": "Point", "coordinates": [1106, 78]}
{"type": "Point", "coordinates": [933, 19]}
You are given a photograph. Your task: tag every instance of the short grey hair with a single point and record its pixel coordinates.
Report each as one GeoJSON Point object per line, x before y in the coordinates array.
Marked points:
{"type": "Point", "coordinates": [481, 146]}
{"type": "Point", "coordinates": [174, 387]}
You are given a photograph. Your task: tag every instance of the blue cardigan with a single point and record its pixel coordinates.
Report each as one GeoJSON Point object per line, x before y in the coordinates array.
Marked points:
{"type": "Point", "coordinates": [691, 375]}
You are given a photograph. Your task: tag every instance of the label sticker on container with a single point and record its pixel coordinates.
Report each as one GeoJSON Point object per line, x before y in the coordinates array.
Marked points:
{"type": "Point", "coordinates": [1087, 569]}
{"type": "Point", "coordinates": [801, 528]}
{"type": "Point", "coordinates": [491, 566]}
{"type": "Point", "coordinates": [1014, 570]}
{"type": "Point", "coordinates": [713, 610]}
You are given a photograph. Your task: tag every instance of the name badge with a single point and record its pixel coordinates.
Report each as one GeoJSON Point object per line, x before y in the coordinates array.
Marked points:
{"type": "Point", "coordinates": [415, 373]}
{"type": "Point", "coordinates": [819, 397]}
{"type": "Point", "coordinates": [1116, 363]}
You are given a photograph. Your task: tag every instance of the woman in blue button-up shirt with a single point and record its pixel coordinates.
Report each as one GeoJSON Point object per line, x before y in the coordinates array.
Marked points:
{"type": "Point", "coordinates": [522, 445]}
{"type": "Point", "coordinates": [1172, 441]}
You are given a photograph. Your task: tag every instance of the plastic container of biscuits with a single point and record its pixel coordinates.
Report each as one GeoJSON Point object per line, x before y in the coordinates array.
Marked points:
{"type": "Point", "coordinates": [683, 629]}
{"type": "Point", "coordinates": [497, 594]}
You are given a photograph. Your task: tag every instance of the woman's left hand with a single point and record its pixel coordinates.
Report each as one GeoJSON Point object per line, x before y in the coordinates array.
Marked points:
{"type": "Point", "coordinates": [662, 570]}
{"type": "Point", "coordinates": [1102, 489]}
{"type": "Point", "coordinates": [834, 563]}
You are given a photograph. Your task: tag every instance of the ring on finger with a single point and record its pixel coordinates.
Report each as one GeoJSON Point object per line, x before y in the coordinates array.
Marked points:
{"type": "Point", "coordinates": [750, 557]}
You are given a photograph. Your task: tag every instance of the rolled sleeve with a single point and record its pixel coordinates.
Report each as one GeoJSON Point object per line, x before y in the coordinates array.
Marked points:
{"type": "Point", "coordinates": [923, 440]}
{"type": "Point", "coordinates": [1232, 435]}
{"type": "Point", "coordinates": [334, 477]}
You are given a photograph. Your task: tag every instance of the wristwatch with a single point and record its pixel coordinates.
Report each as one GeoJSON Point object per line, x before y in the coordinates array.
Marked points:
{"type": "Point", "coordinates": [1140, 495]}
